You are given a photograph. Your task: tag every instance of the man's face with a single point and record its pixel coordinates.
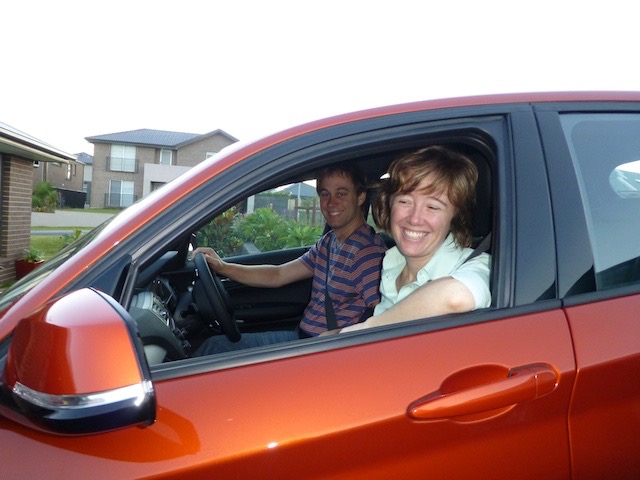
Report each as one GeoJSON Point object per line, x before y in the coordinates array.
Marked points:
{"type": "Point", "coordinates": [340, 204]}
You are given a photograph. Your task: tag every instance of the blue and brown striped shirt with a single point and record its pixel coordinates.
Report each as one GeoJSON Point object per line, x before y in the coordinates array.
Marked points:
{"type": "Point", "coordinates": [353, 280]}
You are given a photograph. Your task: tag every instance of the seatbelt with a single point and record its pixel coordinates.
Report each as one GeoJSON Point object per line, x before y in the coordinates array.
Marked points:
{"type": "Point", "coordinates": [482, 247]}
{"type": "Point", "coordinates": [328, 304]}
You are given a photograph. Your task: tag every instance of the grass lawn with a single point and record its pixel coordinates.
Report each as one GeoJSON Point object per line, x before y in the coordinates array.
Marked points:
{"type": "Point", "coordinates": [48, 245]}
{"type": "Point", "coordinates": [111, 211]}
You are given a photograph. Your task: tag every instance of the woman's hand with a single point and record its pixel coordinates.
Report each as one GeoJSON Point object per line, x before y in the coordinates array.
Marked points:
{"type": "Point", "coordinates": [328, 333]}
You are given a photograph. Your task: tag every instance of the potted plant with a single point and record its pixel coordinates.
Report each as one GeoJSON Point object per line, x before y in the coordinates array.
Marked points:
{"type": "Point", "coordinates": [31, 260]}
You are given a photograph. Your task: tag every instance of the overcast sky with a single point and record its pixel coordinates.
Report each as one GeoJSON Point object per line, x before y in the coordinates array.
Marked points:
{"type": "Point", "coordinates": [76, 69]}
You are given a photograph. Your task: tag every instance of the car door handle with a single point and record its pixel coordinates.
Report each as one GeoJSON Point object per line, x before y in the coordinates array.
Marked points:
{"type": "Point", "coordinates": [500, 390]}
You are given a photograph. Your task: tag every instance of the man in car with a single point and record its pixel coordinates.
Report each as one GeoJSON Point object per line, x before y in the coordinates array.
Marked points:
{"type": "Point", "coordinates": [345, 266]}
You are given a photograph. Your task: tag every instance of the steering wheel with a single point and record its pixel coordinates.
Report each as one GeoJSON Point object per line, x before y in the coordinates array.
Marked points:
{"type": "Point", "coordinates": [213, 300]}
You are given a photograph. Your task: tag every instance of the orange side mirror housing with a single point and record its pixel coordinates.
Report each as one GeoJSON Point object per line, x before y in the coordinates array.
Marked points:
{"type": "Point", "coordinates": [77, 366]}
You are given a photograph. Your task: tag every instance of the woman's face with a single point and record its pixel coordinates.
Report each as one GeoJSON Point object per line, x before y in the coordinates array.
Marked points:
{"type": "Point", "coordinates": [420, 222]}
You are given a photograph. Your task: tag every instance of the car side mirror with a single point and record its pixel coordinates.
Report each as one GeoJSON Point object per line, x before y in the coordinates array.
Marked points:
{"type": "Point", "coordinates": [77, 366]}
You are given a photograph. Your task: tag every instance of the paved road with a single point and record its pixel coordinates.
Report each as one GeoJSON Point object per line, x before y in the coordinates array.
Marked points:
{"type": "Point", "coordinates": [64, 220]}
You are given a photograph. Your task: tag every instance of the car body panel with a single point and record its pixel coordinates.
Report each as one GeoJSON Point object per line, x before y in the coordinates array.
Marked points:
{"type": "Point", "coordinates": [55, 328]}
{"type": "Point", "coordinates": [606, 386]}
{"type": "Point", "coordinates": [313, 429]}
{"type": "Point", "coordinates": [540, 385]}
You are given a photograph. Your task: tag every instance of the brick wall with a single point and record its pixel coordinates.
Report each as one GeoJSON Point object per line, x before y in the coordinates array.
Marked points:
{"type": "Point", "coordinates": [101, 175]}
{"type": "Point", "coordinates": [192, 154]}
{"type": "Point", "coordinates": [56, 175]}
{"type": "Point", "coordinates": [15, 225]}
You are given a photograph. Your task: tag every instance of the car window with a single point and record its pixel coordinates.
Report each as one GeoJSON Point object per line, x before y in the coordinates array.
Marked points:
{"type": "Point", "coordinates": [605, 150]}
{"type": "Point", "coordinates": [285, 217]}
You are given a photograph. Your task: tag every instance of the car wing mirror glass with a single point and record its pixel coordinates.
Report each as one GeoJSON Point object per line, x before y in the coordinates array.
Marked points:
{"type": "Point", "coordinates": [625, 179]}
{"type": "Point", "coordinates": [77, 366]}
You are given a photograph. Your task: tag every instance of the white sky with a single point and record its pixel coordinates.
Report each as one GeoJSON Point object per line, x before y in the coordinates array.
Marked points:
{"type": "Point", "coordinates": [75, 69]}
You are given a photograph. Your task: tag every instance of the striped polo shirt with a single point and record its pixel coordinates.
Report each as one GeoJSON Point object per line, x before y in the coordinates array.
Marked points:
{"type": "Point", "coordinates": [353, 280]}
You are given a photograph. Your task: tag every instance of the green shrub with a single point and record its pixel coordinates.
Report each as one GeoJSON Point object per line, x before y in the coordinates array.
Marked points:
{"type": "Point", "coordinates": [299, 234]}
{"type": "Point", "coordinates": [263, 228]}
{"type": "Point", "coordinates": [33, 255]}
{"type": "Point", "coordinates": [69, 238]}
{"type": "Point", "coordinates": [44, 198]}
{"type": "Point", "coordinates": [220, 235]}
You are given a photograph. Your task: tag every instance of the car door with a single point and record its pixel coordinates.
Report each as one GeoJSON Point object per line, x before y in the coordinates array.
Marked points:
{"type": "Point", "coordinates": [484, 394]}
{"type": "Point", "coordinates": [595, 176]}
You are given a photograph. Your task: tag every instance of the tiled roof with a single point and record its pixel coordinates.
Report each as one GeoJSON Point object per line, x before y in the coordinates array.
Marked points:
{"type": "Point", "coordinates": [145, 136]}
{"type": "Point", "coordinates": [306, 190]}
{"type": "Point", "coordinates": [84, 158]}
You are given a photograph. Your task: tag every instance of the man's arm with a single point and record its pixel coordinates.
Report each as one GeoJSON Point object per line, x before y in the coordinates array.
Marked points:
{"type": "Point", "coordinates": [270, 276]}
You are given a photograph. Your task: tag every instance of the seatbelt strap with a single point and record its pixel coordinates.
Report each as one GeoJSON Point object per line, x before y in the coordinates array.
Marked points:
{"type": "Point", "coordinates": [328, 306]}
{"type": "Point", "coordinates": [482, 247]}
{"type": "Point", "coordinates": [332, 324]}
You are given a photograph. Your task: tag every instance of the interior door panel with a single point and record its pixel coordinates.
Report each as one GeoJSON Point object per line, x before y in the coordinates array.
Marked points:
{"type": "Point", "coordinates": [269, 308]}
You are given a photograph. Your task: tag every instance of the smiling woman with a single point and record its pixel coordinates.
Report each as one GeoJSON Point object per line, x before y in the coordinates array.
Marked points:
{"type": "Point", "coordinates": [426, 204]}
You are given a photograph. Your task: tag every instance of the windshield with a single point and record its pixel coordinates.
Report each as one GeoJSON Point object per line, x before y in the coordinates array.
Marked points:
{"type": "Point", "coordinates": [9, 296]}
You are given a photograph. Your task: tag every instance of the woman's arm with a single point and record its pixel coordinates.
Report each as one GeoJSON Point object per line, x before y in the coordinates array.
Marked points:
{"type": "Point", "coordinates": [438, 297]}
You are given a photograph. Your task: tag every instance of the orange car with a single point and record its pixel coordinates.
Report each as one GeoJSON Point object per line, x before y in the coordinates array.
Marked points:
{"type": "Point", "coordinates": [99, 381]}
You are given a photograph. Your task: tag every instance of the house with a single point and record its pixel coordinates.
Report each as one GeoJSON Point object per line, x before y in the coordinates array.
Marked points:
{"type": "Point", "coordinates": [65, 178]}
{"type": "Point", "coordinates": [18, 152]}
{"type": "Point", "coordinates": [301, 190]}
{"type": "Point", "coordinates": [87, 161]}
{"type": "Point", "coordinates": [129, 165]}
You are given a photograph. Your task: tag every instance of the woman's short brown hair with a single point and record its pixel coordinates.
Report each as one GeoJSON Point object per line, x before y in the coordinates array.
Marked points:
{"type": "Point", "coordinates": [452, 173]}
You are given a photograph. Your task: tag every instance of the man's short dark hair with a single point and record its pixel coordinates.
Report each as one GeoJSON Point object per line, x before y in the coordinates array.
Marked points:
{"type": "Point", "coordinates": [350, 170]}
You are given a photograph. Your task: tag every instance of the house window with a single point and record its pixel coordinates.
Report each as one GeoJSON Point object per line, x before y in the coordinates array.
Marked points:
{"type": "Point", "coordinates": [166, 157]}
{"type": "Point", "coordinates": [120, 193]}
{"type": "Point", "coordinates": [123, 158]}
{"type": "Point", "coordinates": [68, 174]}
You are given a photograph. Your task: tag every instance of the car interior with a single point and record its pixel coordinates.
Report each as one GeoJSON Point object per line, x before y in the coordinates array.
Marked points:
{"type": "Point", "coordinates": [178, 302]}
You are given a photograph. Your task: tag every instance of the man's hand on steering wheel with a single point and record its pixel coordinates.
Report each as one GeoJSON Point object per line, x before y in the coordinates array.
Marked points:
{"type": "Point", "coordinates": [213, 259]}
{"type": "Point", "coordinates": [211, 297]}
